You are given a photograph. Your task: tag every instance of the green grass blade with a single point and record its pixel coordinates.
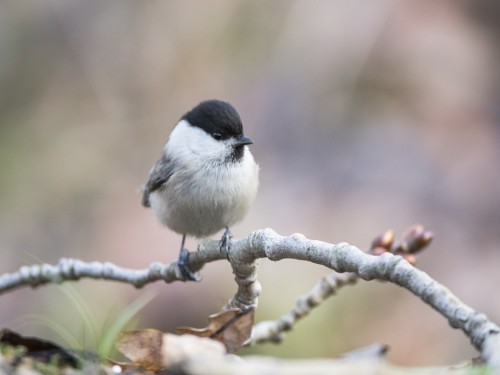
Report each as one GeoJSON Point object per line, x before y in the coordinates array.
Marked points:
{"type": "Point", "coordinates": [106, 346]}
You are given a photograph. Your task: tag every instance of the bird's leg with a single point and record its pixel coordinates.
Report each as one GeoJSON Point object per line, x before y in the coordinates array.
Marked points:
{"type": "Point", "coordinates": [225, 242]}
{"type": "Point", "coordinates": [183, 263]}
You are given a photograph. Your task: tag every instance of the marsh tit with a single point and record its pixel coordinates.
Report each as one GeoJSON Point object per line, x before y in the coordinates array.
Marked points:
{"type": "Point", "coordinates": [206, 178]}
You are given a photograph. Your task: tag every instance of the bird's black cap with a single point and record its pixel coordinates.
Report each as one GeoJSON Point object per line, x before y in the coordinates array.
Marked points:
{"type": "Point", "coordinates": [217, 118]}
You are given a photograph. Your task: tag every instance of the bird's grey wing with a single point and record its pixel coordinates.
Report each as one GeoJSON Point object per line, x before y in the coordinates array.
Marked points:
{"type": "Point", "coordinates": [160, 173]}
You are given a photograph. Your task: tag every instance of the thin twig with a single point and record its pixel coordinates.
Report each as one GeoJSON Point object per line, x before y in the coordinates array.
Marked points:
{"type": "Point", "coordinates": [274, 330]}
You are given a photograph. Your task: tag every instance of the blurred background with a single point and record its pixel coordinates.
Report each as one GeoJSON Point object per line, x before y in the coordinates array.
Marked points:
{"type": "Point", "coordinates": [365, 115]}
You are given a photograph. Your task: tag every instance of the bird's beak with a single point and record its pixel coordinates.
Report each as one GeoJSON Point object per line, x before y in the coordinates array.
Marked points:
{"type": "Point", "coordinates": [242, 141]}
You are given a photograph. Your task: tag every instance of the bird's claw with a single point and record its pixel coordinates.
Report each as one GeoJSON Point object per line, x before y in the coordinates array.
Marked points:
{"type": "Point", "coordinates": [184, 268]}
{"type": "Point", "coordinates": [225, 242]}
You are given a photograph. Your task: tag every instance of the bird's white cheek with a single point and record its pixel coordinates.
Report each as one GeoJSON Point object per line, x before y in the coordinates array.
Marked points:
{"type": "Point", "coordinates": [187, 142]}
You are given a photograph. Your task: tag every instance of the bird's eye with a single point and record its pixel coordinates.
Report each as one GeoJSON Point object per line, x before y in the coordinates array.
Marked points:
{"type": "Point", "coordinates": [217, 136]}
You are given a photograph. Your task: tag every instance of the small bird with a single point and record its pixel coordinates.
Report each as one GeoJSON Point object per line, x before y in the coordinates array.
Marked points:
{"type": "Point", "coordinates": [206, 178]}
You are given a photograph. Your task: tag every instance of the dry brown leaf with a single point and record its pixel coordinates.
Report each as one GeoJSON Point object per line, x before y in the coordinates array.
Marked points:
{"type": "Point", "coordinates": [143, 348]}
{"type": "Point", "coordinates": [154, 350]}
{"type": "Point", "coordinates": [230, 327]}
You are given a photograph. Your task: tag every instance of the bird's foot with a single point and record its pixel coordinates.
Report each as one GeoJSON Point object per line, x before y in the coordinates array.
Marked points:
{"type": "Point", "coordinates": [184, 268]}
{"type": "Point", "coordinates": [225, 242]}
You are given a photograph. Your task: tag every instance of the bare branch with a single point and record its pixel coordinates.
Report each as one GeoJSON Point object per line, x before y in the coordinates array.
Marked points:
{"type": "Point", "coordinates": [413, 241]}
{"type": "Point", "coordinates": [483, 334]}
{"type": "Point", "coordinates": [244, 254]}
{"type": "Point", "coordinates": [69, 269]}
